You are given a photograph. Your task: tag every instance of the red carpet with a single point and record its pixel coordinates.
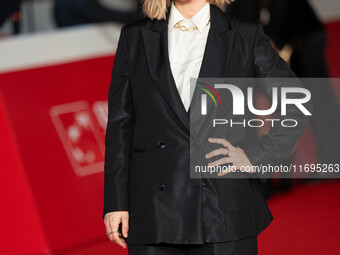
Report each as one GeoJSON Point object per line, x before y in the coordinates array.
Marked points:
{"type": "Point", "coordinates": [306, 221]}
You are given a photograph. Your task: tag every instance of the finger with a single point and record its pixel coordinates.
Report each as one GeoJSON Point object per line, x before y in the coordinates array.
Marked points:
{"type": "Point", "coordinates": [107, 227]}
{"type": "Point", "coordinates": [219, 162]}
{"type": "Point", "coordinates": [125, 226]}
{"type": "Point", "coordinates": [221, 141]}
{"type": "Point", "coordinates": [232, 147]}
{"type": "Point", "coordinates": [119, 241]}
{"type": "Point", "coordinates": [226, 160]}
{"type": "Point", "coordinates": [114, 226]}
{"type": "Point", "coordinates": [220, 151]}
{"type": "Point", "coordinates": [123, 241]}
{"type": "Point", "coordinates": [108, 230]}
{"type": "Point", "coordinates": [110, 236]}
{"type": "Point", "coordinates": [239, 149]}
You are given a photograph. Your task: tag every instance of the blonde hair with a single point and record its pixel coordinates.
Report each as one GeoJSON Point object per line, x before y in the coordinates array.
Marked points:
{"type": "Point", "coordinates": [156, 9]}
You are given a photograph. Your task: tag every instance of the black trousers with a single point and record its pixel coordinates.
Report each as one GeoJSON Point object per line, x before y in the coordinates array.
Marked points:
{"type": "Point", "coordinates": [243, 247]}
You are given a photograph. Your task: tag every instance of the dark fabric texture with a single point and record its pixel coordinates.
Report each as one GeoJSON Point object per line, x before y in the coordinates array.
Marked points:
{"type": "Point", "coordinates": [147, 156]}
{"type": "Point", "coordinates": [245, 10]}
{"type": "Point", "coordinates": [291, 21]}
{"type": "Point", "coordinates": [243, 247]}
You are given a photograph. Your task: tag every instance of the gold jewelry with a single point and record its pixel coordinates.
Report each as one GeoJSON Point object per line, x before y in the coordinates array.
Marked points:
{"type": "Point", "coordinates": [185, 29]}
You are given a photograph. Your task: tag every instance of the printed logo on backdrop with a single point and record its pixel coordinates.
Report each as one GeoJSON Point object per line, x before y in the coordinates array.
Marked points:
{"type": "Point", "coordinates": [81, 130]}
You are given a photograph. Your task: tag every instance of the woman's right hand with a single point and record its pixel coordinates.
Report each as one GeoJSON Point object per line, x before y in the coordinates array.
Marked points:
{"type": "Point", "coordinates": [112, 221]}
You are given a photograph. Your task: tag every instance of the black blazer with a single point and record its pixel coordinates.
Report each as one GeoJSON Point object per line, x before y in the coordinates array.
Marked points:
{"type": "Point", "coordinates": [148, 139]}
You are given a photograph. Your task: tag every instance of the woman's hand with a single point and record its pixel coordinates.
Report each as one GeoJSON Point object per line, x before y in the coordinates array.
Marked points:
{"type": "Point", "coordinates": [112, 221]}
{"type": "Point", "coordinates": [235, 156]}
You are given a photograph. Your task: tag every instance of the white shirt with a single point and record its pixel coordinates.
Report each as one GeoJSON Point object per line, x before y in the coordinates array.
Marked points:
{"type": "Point", "coordinates": [186, 49]}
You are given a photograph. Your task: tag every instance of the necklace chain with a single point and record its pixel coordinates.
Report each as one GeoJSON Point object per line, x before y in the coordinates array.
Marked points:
{"type": "Point", "coordinates": [187, 29]}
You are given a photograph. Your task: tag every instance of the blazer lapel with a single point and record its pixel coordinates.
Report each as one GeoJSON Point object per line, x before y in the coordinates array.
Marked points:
{"type": "Point", "coordinates": [156, 48]}
{"type": "Point", "coordinates": [216, 61]}
{"type": "Point", "coordinates": [217, 54]}
{"type": "Point", "coordinates": [214, 64]}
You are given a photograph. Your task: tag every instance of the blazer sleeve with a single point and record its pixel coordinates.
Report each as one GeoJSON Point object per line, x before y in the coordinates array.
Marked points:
{"type": "Point", "coordinates": [273, 148]}
{"type": "Point", "coordinates": [119, 132]}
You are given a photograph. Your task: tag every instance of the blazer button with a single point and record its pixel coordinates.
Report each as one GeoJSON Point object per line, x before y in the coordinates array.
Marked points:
{"type": "Point", "coordinates": [161, 146]}
{"type": "Point", "coordinates": [204, 185]}
{"type": "Point", "coordinates": [161, 186]}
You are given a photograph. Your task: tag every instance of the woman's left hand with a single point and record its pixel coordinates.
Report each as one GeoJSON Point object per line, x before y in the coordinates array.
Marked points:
{"type": "Point", "coordinates": [234, 155]}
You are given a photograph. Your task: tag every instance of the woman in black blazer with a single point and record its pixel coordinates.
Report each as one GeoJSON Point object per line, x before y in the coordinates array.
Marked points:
{"type": "Point", "coordinates": [150, 201]}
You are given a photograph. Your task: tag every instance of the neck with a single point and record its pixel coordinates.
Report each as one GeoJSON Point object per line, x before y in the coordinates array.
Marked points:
{"type": "Point", "coordinates": [188, 8]}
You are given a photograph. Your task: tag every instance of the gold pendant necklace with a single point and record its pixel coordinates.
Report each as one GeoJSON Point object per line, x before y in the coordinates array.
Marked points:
{"type": "Point", "coordinates": [185, 29]}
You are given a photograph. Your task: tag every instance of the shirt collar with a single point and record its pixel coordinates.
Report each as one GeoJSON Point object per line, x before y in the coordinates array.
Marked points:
{"type": "Point", "coordinates": [200, 19]}
{"type": "Point", "coordinates": [175, 16]}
